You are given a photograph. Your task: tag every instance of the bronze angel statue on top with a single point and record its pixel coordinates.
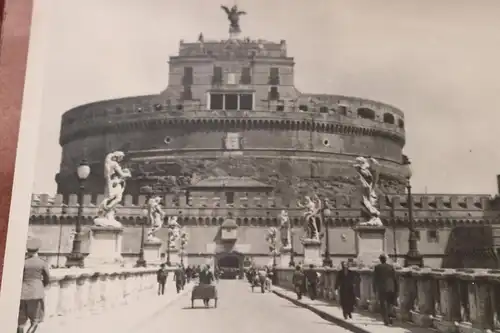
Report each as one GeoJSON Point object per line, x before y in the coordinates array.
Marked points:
{"type": "Point", "coordinates": [233, 16]}
{"type": "Point", "coordinates": [368, 171]}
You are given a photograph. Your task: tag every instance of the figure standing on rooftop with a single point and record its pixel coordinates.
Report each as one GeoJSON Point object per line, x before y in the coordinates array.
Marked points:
{"type": "Point", "coordinates": [233, 16]}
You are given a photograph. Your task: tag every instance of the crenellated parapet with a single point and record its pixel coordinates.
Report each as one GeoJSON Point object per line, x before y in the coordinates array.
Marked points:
{"type": "Point", "coordinates": [428, 210]}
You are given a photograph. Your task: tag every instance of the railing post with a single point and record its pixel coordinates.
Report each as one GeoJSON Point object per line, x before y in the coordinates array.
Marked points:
{"type": "Point", "coordinates": [424, 311]}
{"type": "Point", "coordinates": [449, 301]}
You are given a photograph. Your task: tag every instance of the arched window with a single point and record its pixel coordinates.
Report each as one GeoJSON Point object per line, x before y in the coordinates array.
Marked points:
{"type": "Point", "coordinates": [366, 113]}
{"type": "Point", "coordinates": [343, 110]}
{"type": "Point", "coordinates": [388, 118]}
{"type": "Point", "coordinates": [401, 123]}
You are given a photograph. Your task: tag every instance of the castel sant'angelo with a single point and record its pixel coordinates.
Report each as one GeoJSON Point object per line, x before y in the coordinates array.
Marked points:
{"type": "Point", "coordinates": [231, 142]}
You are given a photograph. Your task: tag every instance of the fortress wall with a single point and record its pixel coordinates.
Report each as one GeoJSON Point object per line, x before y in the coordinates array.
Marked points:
{"type": "Point", "coordinates": [342, 240]}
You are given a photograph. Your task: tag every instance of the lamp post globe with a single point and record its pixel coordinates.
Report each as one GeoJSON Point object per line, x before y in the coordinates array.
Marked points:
{"type": "Point", "coordinates": [83, 170]}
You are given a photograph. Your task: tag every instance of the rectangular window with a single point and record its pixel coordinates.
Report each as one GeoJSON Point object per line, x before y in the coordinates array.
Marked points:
{"type": "Point", "coordinates": [217, 78]}
{"type": "Point", "coordinates": [246, 77]}
{"type": "Point", "coordinates": [188, 76]}
{"type": "Point", "coordinates": [231, 102]}
{"type": "Point", "coordinates": [274, 95]}
{"type": "Point", "coordinates": [274, 76]}
{"type": "Point", "coordinates": [246, 102]}
{"type": "Point", "coordinates": [216, 101]}
{"type": "Point", "coordinates": [432, 236]}
{"type": "Point", "coordinates": [230, 198]}
{"type": "Point", "coordinates": [187, 95]}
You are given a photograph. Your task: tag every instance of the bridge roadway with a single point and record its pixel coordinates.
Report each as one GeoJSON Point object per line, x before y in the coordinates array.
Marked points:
{"type": "Point", "coordinates": [238, 311]}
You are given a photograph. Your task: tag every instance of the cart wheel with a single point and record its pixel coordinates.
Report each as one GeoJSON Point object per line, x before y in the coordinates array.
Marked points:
{"type": "Point", "coordinates": [215, 303]}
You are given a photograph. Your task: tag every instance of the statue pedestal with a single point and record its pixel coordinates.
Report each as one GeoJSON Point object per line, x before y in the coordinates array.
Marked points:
{"type": "Point", "coordinates": [174, 256]}
{"type": "Point", "coordinates": [312, 252]}
{"type": "Point", "coordinates": [285, 257]}
{"type": "Point", "coordinates": [370, 243]}
{"type": "Point", "coordinates": [105, 246]}
{"type": "Point", "coordinates": [152, 253]}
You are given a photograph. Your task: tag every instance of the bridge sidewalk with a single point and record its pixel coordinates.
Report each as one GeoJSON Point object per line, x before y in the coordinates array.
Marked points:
{"type": "Point", "coordinates": [361, 322]}
{"type": "Point", "coordinates": [119, 318]}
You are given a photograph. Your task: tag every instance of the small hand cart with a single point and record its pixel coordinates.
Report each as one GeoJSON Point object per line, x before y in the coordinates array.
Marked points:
{"type": "Point", "coordinates": [205, 292]}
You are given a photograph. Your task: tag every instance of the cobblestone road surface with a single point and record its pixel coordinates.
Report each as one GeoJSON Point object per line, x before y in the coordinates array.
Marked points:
{"type": "Point", "coordinates": [238, 311]}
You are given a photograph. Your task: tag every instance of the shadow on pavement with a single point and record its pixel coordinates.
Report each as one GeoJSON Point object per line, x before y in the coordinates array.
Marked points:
{"type": "Point", "coordinates": [198, 308]}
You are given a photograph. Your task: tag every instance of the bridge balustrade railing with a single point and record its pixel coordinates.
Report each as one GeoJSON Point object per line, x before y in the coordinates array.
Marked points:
{"type": "Point", "coordinates": [447, 300]}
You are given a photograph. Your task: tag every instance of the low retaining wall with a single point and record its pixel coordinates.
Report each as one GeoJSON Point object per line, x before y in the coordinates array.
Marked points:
{"type": "Point", "coordinates": [458, 301]}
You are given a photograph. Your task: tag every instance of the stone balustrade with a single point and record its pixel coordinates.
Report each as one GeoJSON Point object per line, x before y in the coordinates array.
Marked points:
{"type": "Point", "coordinates": [79, 291]}
{"type": "Point", "coordinates": [447, 300]}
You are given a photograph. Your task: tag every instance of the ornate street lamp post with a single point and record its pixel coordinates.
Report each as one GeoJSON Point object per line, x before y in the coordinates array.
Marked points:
{"type": "Point", "coordinates": [325, 214]}
{"type": "Point", "coordinates": [184, 239]}
{"type": "Point", "coordinates": [413, 257]}
{"type": "Point", "coordinates": [75, 258]}
{"type": "Point", "coordinates": [292, 250]}
{"type": "Point", "coordinates": [169, 234]}
{"type": "Point", "coordinates": [141, 262]}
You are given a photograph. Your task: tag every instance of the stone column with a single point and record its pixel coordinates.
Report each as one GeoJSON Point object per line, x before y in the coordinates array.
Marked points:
{"type": "Point", "coordinates": [94, 293]}
{"type": "Point", "coordinates": [52, 296]}
{"type": "Point", "coordinates": [82, 292]}
{"type": "Point", "coordinates": [66, 302]}
{"type": "Point", "coordinates": [407, 294]}
{"type": "Point", "coordinates": [449, 313]}
{"type": "Point", "coordinates": [423, 314]}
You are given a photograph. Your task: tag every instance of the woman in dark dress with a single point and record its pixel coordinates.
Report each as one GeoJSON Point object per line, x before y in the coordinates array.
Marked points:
{"type": "Point", "coordinates": [345, 284]}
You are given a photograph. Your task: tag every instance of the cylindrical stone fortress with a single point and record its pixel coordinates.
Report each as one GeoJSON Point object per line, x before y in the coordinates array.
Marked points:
{"type": "Point", "coordinates": [231, 109]}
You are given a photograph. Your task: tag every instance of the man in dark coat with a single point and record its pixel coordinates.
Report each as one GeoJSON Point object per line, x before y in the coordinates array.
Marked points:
{"type": "Point", "coordinates": [345, 284]}
{"type": "Point", "coordinates": [385, 286]}
{"type": "Point", "coordinates": [179, 279]}
{"type": "Point", "coordinates": [312, 278]}
{"type": "Point", "coordinates": [299, 281]}
{"type": "Point", "coordinates": [161, 278]}
{"type": "Point", "coordinates": [36, 277]}
{"type": "Point", "coordinates": [206, 277]}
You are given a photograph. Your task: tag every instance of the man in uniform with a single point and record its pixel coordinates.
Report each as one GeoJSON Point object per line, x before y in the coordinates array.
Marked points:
{"type": "Point", "coordinates": [36, 277]}
{"type": "Point", "coordinates": [161, 277]}
{"type": "Point", "coordinates": [179, 279]}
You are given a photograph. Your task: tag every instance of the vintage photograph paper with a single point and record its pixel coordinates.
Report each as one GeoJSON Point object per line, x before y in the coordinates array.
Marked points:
{"type": "Point", "coordinates": [258, 166]}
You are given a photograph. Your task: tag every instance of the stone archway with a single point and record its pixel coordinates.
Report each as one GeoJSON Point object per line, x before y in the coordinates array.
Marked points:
{"type": "Point", "coordinates": [230, 264]}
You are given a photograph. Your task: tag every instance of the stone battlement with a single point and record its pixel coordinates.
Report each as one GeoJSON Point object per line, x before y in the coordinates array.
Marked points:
{"type": "Point", "coordinates": [265, 211]}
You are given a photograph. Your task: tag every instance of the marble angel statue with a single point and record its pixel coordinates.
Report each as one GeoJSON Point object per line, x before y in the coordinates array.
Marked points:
{"type": "Point", "coordinates": [271, 238]}
{"type": "Point", "coordinates": [155, 218]}
{"type": "Point", "coordinates": [233, 15]}
{"type": "Point", "coordinates": [115, 178]}
{"type": "Point", "coordinates": [285, 230]}
{"type": "Point", "coordinates": [368, 171]}
{"type": "Point", "coordinates": [311, 208]}
{"type": "Point", "coordinates": [184, 238]}
{"type": "Point", "coordinates": [173, 230]}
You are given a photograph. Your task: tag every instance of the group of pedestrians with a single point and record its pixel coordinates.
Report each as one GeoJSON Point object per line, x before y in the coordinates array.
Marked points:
{"type": "Point", "coordinates": [385, 286]}
{"type": "Point", "coordinates": [262, 277]}
{"type": "Point", "coordinates": [181, 277]}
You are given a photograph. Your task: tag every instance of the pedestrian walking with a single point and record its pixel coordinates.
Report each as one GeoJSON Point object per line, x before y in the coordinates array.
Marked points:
{"type": "Point", "coordinates": [312, 278]}
{"type": "Point", "coordinates": [36, 277]}
{"type": "Point", "coordinates": [385, 286]}
{"type": "Point", "coordinates": [178, 278]}
{"type": "Point", "coordinates": [345, 287]}
{"type": "Point", "coordinates": [161, 277]}
{"type": "Point", "coordinates": [298, 281]}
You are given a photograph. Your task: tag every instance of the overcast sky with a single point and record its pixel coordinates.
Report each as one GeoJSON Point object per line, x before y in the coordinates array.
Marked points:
{"type": "Point", "coordinates": [435, 60]}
